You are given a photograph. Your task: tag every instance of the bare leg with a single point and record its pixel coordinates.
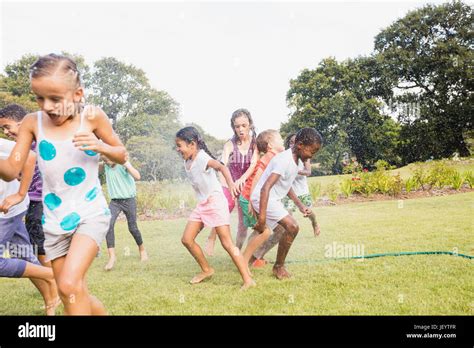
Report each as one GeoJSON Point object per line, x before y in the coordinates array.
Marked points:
{"type": "Point", "coordinates": [143, 253]}
{"type": "Point", "coordinates": [210, 242]}
{"type": "Point", "coordinates": [292, 229]}
{"type": "Point", "coordinates": [235, 254]}
{"type": "Point", "coordinates": [112, 258]}
{"type": "Point", "coordinates": [43, 279]}
{"type": "Point", "coordinates": [189, 241]}
{"type": "Point", "coordinates": [97, 308]}
{"type": "Point", "coordinates": [270, 242]}
{"type": "Point", "coordinates": [255, 242]}
{"type": "Point", "coordinates": [70, 272]}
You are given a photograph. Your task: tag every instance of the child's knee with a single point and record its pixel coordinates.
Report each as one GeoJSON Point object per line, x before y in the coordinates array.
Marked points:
{"type": "Point", "coordinates": [187, 242]}
{"type": "Point", "coordinates": [69, 288]}
{"type": "Point", "coordinates": [293, 228]}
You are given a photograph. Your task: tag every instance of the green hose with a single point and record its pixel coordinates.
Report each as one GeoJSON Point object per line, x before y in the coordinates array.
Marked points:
{"type": "Point", "coordinates": [400, 253]}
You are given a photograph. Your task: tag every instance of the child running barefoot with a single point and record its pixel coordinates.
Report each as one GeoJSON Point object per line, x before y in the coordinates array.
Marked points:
{"type": "Point", "coordinates": [14, 238]}
{"type": "Point", "coordinates": [300, 186]}
{"type": "Point", "coordinates": [212, 209]}
{"type": "Point", "coordinates": [275, 183]}
{"type": "Point", "coordinates": [240, 156]}
{"type": "Point", "coordinates": [269, 143]}
{"type": "Point", "coordinates": [120, 180]}
{"type": "Point", "coordinates": [76, 217]}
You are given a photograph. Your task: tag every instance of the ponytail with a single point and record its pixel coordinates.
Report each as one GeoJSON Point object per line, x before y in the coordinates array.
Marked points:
{"type": "Point", "coordinates": [190, 134]}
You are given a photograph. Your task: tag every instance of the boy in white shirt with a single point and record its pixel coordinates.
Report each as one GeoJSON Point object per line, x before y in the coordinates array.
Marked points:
{"type": "Point", "coordinates": [275, 183]}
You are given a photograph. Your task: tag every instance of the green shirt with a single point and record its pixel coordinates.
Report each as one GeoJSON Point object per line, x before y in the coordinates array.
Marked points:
{"type": "Point", "coordinates": [120, 182]}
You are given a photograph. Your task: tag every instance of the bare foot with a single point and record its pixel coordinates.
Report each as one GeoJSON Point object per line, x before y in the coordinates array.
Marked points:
{"type": "Point", "coordinates": [280, 272]}
{"type": "Point", "coordinates": [143, 256]}
{"type": "Point", "coordinates": [110, 264]}
{"type": "Point", "coordinates": [248, 285]}
{"type": "Point", "coordinates": [202, 276]}
{"type": "Point", "coordinates": [209, 246]}
{"type": "Point", "coordinates": [51, 307]}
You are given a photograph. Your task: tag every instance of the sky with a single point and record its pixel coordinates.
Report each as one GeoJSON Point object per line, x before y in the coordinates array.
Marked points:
{"type": "Point", "coordinates": [211, 57]}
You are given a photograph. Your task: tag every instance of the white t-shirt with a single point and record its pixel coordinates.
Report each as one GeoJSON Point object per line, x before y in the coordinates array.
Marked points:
{"type": "Point", "coordinates": [12, 187]}
{"type": "Point", "coordinates": [300, 186]}
{"type": "Point", "coordinates": [284, 165]}
{"type": "Point", "coordinates": [203, 179]}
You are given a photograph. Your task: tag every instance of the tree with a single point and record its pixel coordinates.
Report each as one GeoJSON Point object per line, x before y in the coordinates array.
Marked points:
{"type": "Point", "coordinates": [428, 59]}
{"type": "Point", "coordinates": [339, 100]}
{"type": "Point", "coordinates": [159, 117]}
{"type": "Point", "coordinates": [120, 89]}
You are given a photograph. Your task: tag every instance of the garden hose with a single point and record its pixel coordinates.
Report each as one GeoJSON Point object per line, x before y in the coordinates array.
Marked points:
{"type": "Point", "coordinates": [371, 256]}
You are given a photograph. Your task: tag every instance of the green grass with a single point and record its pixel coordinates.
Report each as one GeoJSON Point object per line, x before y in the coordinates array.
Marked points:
{"type": "Point", "coordinates": [405, 285]}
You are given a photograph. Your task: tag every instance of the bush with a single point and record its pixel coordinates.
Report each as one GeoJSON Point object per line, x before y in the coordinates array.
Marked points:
{"type": "Point", "coordinates": [347, 187]}
{"type": "Point", "coordinates": [331, 191]}
{"type": "Point", "coordinates": [469, 179]}
{"type": "Point", "coordinates": [420, 176]}
{"type": "Point", "coordinates": [396, 184]}
{"type": "Point", "coordinates": [457, 180]}
{"type": "Point", "coordinates": [315, 190]}
{"type": "Point", "coordinates": [440, 175]}
{"type": "Point", "coordinates": [411, 185]}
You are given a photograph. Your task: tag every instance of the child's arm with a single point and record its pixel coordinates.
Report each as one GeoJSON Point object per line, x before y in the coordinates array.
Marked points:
{"type": "Point", "coordinates": [225, 172]}
{"type": "Point", "coordinates": [303, 209]}
{"type": "Point", "coordinates": [307, 168]}
{"type": "Point", "coordinates": [264, 194]}
{"type": "Point", "coordinates": [26, 177]}
{"type": "Point", "coordinates": [111, 146]}
{"type": "Point", "coordinates": [11, 167]}
{"type": "Point", "coordinates": [258, 174]}
{"type": "Point", "coordinates": [133, 172]}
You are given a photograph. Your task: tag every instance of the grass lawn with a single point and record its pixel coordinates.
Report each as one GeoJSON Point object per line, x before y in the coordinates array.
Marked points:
{"type": "Point", "coordinates": [405, 285]}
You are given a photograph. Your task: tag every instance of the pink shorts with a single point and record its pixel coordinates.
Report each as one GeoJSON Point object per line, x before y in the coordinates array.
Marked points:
{"type": "Point", "coordinates": [212, 212]}
{"type": "Point", "coordinates": [230, 199]}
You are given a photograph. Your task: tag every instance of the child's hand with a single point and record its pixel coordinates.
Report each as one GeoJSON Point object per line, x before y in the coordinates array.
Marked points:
{"type": "Point", "coordinates": [87, 141]}
{"type": "Point", "coordinates": [10, 201]}
{"type": "Point", "coordinates": [305, 211]}
{"type": "Point", "coordinates": [234, 190]}
{"type": "Point", "coordinates": [260, 226]}
{"type": "Point", "coordinates": [239, 184]}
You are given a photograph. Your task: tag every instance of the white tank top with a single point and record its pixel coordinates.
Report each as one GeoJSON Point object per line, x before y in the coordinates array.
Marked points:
{"type": "Point", "coordinates": [71, 186]}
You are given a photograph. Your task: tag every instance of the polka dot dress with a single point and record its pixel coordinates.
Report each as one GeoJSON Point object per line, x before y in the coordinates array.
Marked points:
{"type": "Point", "coordinates": [71, 186]}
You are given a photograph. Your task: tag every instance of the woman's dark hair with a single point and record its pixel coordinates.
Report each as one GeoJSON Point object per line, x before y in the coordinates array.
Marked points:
{"type": "Point", "coordinates": [13, 112]}
{"type": "Point", "coordinates": [288, 140]}
{"type": "Point", "coordinates": [242, 112]}
{"type": "Point", "coordinates": [308, 136]}
{"type": "Point", "coordinates": [190, 134]}
{"type": "Point", "coordinates": [52, 63]}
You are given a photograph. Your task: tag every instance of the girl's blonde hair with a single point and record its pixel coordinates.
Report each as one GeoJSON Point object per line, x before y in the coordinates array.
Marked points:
{"type": "Point", "coordinates": [52, 63]}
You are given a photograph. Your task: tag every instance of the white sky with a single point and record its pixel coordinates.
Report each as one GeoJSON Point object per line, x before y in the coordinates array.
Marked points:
{"type": "Point", "coordinates": [211, 57]}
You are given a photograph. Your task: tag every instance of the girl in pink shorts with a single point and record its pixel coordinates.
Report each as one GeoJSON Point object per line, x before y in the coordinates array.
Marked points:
{"type": "Point", "coordinates": [212, 210]}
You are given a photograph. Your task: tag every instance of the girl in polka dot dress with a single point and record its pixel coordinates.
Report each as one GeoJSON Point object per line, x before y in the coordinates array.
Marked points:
{"type": "Point", "coordinates": [70, 138]}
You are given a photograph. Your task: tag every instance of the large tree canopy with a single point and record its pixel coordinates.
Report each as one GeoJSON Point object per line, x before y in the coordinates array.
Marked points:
{"type": "Point", "coordinates": [339, 101]}
{"type": "Point", "coordinates": [428, 57]}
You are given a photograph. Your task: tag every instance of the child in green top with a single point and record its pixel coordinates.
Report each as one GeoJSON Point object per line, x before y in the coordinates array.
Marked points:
{"type": "Point", "coordinates": [122, 191]}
